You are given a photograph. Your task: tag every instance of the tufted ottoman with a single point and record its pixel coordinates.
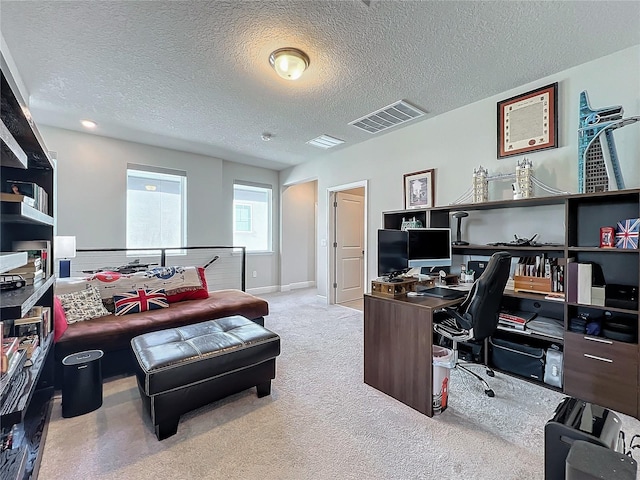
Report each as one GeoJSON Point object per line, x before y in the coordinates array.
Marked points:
{"type": "Point", "coordinates": [181, 369]}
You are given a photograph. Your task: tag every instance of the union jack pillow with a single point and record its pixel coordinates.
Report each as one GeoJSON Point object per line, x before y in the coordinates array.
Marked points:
{"type": "Point", "coordinates": [140, 301]}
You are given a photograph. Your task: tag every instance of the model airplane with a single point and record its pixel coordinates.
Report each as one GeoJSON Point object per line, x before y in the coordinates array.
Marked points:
{"type": "Point", "coordinates": [131, 267]}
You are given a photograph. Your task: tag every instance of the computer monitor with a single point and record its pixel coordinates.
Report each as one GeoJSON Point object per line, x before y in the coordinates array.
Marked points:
{"type": "Point", "coordinates": [429, 247]}
{"type": "Point", "coordinates": [392, 253]}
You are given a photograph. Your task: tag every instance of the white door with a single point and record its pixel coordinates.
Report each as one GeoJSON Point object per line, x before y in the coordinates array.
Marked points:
{"type": "Point", "coordinates": [349, 247]}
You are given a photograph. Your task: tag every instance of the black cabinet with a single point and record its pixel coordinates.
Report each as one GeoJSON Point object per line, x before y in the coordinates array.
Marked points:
{"type": "Point", "coordinates": [26, 396]}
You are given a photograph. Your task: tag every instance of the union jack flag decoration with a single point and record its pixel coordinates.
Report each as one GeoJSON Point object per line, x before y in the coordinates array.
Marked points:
{"type": "Point", "coordinates": [140, 301]}
{"type": "Point", "coordinates": [627, 233]}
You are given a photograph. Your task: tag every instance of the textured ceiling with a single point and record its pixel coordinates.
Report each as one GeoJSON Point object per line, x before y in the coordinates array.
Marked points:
{"type": "Point", "coordinates": [195, 76]}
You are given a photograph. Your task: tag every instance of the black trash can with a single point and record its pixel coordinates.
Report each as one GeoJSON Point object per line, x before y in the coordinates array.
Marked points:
{"type": "Point", "coordinates": [81, 383]}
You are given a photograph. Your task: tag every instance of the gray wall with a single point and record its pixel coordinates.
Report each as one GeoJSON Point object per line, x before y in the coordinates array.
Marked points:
{"type": "Point", "coordinates": [91, 194]}
{"type": "Point", "coordinates": [298, 235]}
{"type": "Point", "coordinates": [457, 142]}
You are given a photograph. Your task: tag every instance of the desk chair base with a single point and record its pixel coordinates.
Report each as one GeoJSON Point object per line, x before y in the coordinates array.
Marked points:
{"type": "Point", "coordinates": [487, 389]}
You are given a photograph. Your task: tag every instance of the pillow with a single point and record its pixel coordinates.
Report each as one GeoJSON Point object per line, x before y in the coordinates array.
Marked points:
{"type": "Point", "coordinates": [59, 319]}
{"type": "Point", "coordinates": [83, 305]}
{"type": "Point", "coordinates": [179, 283]}
{"type": "Point", "coordinates": [202, 292]}
{"type": "Point", "coordinates": [140, 301]}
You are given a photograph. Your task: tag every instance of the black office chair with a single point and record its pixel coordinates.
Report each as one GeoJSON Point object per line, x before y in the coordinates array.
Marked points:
{"type": "Point", "coordinates": [477, 317]}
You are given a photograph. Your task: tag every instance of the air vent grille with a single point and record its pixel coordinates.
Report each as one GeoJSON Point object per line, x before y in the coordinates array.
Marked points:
{"type": "Point", "coordinates": [325, 141]}
{"type": "Point", "coordinates": [387, 117]}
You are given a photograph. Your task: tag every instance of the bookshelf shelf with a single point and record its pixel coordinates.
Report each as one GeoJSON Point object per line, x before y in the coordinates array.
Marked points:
{"type": "Point", "coordinates": [25, 158]}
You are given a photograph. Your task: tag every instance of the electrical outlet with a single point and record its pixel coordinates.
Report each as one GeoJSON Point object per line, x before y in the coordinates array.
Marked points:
{"type": "Point", "coordinates": [254, 274]}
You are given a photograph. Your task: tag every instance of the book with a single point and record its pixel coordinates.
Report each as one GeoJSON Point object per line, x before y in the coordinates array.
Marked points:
{"type": "Point", "coordinates": [33, 265]}
{"type": "Point", "coordinates": [37, 249]}
{"type": "Point", "coordinates": [47, 327]}
{"type": "Point", "coordinates": [28, 344]}
{"type": "Point", "coordinates": [29, 189]}
{"type": "Point", "coordinates": [585, 272]}
{"type": "Point", "coordinates": [10, 345]}
{"type": "Point", "coordinates": [572, 282]}
{"type": "Point", "coordinates": [14, 197]}
{"type": "Point", "coordinates": [34, 275]}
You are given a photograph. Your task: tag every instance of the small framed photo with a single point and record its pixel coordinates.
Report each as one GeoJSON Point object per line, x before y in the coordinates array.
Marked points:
{"type": "Point", "coordinates": [528, 122]}
{"type": "Point", "coordinates": [418, 189]}
{"type": "Point", "coordinates": [607, 237]}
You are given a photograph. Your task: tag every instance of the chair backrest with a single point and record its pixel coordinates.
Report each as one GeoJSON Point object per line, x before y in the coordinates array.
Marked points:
{"type": "Point", "coordinates": [482, 306]}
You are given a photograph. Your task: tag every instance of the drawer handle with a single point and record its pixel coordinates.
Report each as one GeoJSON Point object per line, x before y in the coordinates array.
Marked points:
{"type": "Point", "coordinates": [601, 340]}
{"type": "Point", "coordinates": [608, 360]}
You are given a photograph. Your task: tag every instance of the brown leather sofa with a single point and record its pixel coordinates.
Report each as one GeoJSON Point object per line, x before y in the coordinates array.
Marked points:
{"type": "Point", "coordinates": [112, 334]}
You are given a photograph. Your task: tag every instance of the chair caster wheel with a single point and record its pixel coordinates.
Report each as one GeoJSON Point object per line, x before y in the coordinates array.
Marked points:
{"type": "Point", "coordinates": [491, 373]}
{"type": "Point", "coordinates": [490, 393]}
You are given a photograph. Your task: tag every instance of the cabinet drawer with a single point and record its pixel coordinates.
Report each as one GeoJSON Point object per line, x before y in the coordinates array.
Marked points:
{"type": "Point", "coordinates": [601, 371]}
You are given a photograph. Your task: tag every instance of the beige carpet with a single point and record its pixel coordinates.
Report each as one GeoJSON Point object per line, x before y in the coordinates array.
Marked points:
{"type": "Point", "coordinates": [321, 421]}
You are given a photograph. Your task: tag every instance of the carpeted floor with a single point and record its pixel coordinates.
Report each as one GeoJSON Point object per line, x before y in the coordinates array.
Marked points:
{"type": "Point", "coordinates": [321, 421]}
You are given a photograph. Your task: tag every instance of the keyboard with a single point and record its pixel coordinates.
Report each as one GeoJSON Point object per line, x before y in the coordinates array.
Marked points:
{"type": "Point", "coordinates": [441, 292]}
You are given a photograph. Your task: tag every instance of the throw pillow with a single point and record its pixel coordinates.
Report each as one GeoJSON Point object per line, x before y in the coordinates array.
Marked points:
{"type": "Point", "coordinates": [140, 301]}
{"type": "Point", "coordinates": [60, 324]}
{"type": "Point", "coordinates": [202, 292]}
{"type": "Point", "coordinates": [83, 305]}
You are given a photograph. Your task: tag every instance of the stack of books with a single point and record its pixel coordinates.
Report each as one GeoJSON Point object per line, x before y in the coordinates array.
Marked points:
{"type": "Point", "coordinates": [514, 320]}
{"type": "Point", "coordinates": [28, 192]}
{"type": "Point", "coordinates": [32, 272]}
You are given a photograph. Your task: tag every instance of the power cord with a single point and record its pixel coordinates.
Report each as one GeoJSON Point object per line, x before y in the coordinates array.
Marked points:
{"type": "Point", "coordinates": [629, 452]}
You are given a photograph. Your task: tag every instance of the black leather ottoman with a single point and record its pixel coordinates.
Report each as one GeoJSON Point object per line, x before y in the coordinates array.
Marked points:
{"type": "Point", "coordinates": [181, 369]}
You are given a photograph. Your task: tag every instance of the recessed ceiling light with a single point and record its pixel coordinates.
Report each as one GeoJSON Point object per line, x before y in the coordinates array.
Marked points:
{"type": "Point", "coordinates": [289, 63]}
{"type": "Point", "coordinates": [89, 124]}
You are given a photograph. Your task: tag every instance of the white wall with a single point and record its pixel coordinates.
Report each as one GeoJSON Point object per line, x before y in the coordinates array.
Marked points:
{"type": "Point", "coordinates": [456, 142]}
{"type": "Point", "coordinates": [298, 235]}
{"type": "Point", "coordinates": [91, 193]}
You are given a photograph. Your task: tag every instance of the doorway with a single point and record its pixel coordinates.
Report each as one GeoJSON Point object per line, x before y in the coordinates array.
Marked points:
{"type": "Point", "coordinates": [347, 242]}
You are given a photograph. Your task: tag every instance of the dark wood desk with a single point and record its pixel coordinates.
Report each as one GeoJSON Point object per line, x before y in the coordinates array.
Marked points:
{"type": "Point", "coordinates": [398, 336]}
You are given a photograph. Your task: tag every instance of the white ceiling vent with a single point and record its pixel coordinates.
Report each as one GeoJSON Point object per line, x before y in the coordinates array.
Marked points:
{"type": "Point", "coordinates": [387, 117]}
{"type": "Point", "coordinates": [325, 141]}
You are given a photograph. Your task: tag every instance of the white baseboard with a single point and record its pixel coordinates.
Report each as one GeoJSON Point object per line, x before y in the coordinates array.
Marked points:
{"type": "Point", "coordinates": [297, 285]}
{"type": "Point", "coordinates": [261, 290]}
{"type": "Point", "coordinates": [281, 288]}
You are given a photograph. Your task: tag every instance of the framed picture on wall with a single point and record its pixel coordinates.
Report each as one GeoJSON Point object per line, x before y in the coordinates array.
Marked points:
{"type": "Point", "coordinates": [418, 189]}
{"type": "Point", "coordinates": [528, 122]}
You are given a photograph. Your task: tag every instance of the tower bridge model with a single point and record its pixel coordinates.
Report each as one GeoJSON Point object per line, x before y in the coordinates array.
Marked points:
{"type": "Point", "coordinates": [523, 186]}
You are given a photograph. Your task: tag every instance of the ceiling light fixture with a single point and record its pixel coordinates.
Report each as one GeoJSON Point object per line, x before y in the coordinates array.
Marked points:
{"type": "Point", "coordinates": [266, 137]}
{"type": "Point", "coordinates": [289, 62]}
{"type": "Point", "coordinates": [89, 124]}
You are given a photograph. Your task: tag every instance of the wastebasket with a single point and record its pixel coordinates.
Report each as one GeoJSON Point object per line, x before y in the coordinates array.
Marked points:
{"type": "Point", "coordinates": [81, 383]}
{"type": "Point", "coordinates": [443, 362]}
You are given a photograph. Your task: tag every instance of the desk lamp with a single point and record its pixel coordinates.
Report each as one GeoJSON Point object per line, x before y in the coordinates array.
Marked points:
{"type": "Point", "coordinates": [65, 248]}
{"type": "Point", "coordinates": [459, 216]}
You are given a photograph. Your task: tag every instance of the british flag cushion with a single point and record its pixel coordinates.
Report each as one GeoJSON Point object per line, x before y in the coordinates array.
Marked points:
{"type": "Point", "coordinates": [140, 301]}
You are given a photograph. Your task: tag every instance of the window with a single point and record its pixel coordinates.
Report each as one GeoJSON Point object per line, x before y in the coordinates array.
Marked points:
{"type": "Point", "coordinates": [156, 207]}
{"type": "Point", "coordinates": [252, 217]}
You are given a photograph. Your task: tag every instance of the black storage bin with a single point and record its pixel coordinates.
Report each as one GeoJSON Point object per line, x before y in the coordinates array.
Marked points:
{"type": "Point", "coordinates": [517, 358]}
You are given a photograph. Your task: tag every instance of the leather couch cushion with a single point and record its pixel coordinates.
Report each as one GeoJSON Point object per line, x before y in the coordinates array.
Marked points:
{"type": "Point", "coordinates": [111, 333]}
{"type": "Point", "coordinates": [182, 356]}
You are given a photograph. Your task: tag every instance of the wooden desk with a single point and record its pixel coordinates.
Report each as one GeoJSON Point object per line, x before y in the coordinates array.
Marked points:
{"type": "Point", "coordinates": [398, 336]}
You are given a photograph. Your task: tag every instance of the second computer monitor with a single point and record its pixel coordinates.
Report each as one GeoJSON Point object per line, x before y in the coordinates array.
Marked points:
{"type": "Point", "coordinates": [429, 247]}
